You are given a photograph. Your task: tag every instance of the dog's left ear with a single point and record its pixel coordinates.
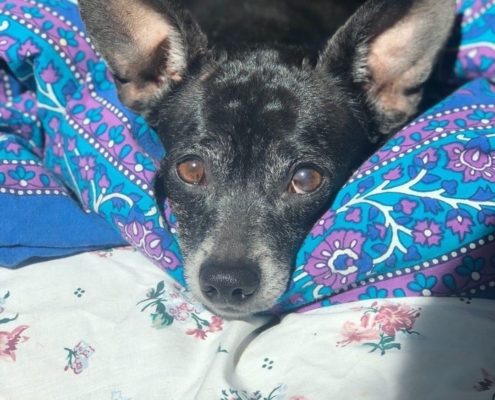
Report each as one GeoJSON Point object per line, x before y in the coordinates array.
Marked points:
{"type": "Point", "coordinates": [149, 45]}
{"type": "Point", "coordinates": [388, 49]}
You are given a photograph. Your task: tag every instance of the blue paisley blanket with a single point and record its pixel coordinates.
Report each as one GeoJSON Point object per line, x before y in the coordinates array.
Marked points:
{"type": "Point", "coordinates": [77, 168]}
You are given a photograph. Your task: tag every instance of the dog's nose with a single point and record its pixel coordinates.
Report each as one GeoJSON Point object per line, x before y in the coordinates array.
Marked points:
{"type": "Point", "coordinates": [228, 283]}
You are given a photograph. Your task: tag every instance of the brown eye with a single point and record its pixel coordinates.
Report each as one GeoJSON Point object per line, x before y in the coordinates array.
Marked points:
{"type": "Point", "coordinates": [305, 180]}
{"type": "Point", "coordinates": [192, 171]}
{"type": "Point", "coordinates": [120, 80]}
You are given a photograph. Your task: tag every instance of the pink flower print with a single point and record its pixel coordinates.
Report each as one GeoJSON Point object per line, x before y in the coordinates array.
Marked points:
{"type": "Point", "coordinates": [83, 350]}
{"type": "Point", "coordinates": [353, 215]}
{"type": "Point", "coordinates": [186, 307]}
{"type": "Point", "coordinates": [170, 260]}
{"type": "Point", "coordinates": [78, 366]}
{"type": "Point", "coordinates": [475, 160]}
{"type": "Point", "coordinates": [489, 219]}
{"type": "Point", "coordinates": [429, 156]}
{"type": "Point", "coordinates": [368, 320]}
{"type": "Point", "coordinates": [179, 314]}
{"type": "Point", "coordinates": [393, 174]}
{"type": "Point", "coordinates": [393, 318]}
{"type": "Point", "coordinates": [353, 333]}
{"type": "Point", "coordinates": [323, 224]}
{"type": "Point", "coordinates": [57, 169]}
{"type": "Point", "coordinates": [28, 48]}
{"type": "Point", "coordinates": [58, 145]}
{"type": "Point", "coordinates": [379, 325]}
{"type": "Point", "coordinates": [14, 148]}
{"type": "Point", "coordinates": [197, 333]}
{"type": "Point", "coordinates": [71, 144]}
{"type": "Point", "coordinates": [174, 295]}
{"type": "Point", "coordinates": [135, 232]}
{"type": "Point", "coordinates": [50, 74]}
{"type": "Point", "coordinates": [338, 259]}
{"type": "Point", "coordinates": [54, 125]}
{"type": "Point", "coordinates": [25, 130]}
{"type": "Point", "coordinates": [296, 298]}
{"type": "Point", "coordinates": [427, 233]}
{"type": "Point", "coordinates": [153, 246]}
{"type": "Point", "coordinates": [10, 340]}
{"type": "Point", "coordinates": [459, 222]}
{"type": "Point", "coordinates": [216, 324]}
{"type": "Point", "coordinates": [86, 165]}
{"type": "Point", "coordinates": [77, 358]}
{"type": "Point", "coordinates": [182, 312]}
{"type": "Point", "coordinates": [104, 183]}
{"type": "Point", "coordinates": [407, 206]}
{"type": "Point", "coordinates": [428, 159]}
{"type": "Point", "coordinates": [85, 197]}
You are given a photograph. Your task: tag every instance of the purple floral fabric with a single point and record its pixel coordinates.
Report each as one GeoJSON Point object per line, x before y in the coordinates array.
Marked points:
{"type": "Point", "coordinates": [417, 219]}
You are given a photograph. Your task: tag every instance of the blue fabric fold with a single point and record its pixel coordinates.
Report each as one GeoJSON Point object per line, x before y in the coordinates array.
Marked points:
{"type": "Point", "coordinates": [77, 173]}
{"type": "Point", "coordinates": [48, 227]}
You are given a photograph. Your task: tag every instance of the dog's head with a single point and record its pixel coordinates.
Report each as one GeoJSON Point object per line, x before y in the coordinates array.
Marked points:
{"type": "Point", "coordinates": [258, 145]}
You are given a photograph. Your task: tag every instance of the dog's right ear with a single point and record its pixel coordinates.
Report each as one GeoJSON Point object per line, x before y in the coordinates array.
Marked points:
{"type": "Point", "coordinates": [387, 51]}
{"type": "Point", "coordinates": [148, 45]}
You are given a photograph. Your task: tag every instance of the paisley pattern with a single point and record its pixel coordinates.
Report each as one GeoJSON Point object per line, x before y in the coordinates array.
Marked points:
{"type": "Point", "coordinates": [475, 54]}
{"type": "Point", "coordinates": [417, 219]}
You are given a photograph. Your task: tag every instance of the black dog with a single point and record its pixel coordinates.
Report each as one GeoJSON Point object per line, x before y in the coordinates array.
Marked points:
{"type": "Point", "coordinates": [264, 120]}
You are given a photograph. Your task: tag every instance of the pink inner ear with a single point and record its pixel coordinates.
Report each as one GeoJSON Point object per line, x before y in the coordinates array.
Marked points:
{"type": "Point", "coordinates": [154, 56]}
{"type": "Point", "coordinates": [400, 59]}
{"type": "Point", "coordinates": [150, 30]}
{"type": "Point", "coordinates": [395, 65]}
{"type": "Point", "coordinates": [391, 52]}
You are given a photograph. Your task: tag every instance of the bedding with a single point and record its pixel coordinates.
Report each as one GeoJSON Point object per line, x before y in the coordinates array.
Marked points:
{"type": "Point", "coordinates": [417, 219]}
{"type": "Point", "coordinates": [95, 327]}
{"type": "Point", "coordinates": [404, 255]}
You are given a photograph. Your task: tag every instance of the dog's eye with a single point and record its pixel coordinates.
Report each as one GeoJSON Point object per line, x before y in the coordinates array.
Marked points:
{"type": "Point", "coordinates": [120, 80]}
{"type": "Point", "coordinates": [192, 171]}
{"type": "Point", "coordinates": [305, 180]}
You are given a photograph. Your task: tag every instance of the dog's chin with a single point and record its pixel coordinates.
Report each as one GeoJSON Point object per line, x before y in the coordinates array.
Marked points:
{"type": "Point", "coordinates": [255, 306]}
{"type": "Point", "coordinates": [235, 313]}
{"type": "Point", "coordinates": [229, 313]}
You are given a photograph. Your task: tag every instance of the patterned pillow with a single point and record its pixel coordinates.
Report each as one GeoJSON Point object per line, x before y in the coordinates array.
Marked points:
{"type": "Point", "coordinates": [416, 219]}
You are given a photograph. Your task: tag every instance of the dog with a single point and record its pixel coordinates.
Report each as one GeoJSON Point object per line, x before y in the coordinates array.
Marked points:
{"type": "Point", "coordinates": [265, 108]}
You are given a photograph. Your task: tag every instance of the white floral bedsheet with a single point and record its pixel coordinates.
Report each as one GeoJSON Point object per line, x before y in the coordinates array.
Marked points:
{"type": "Point", "coordinates": [111, 326]}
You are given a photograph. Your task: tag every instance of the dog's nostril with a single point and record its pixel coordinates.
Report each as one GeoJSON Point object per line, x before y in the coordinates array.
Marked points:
{"type": "Point", "coordinates": [210, 292]}
{"type": "Point", "coordinates": [241, 294]}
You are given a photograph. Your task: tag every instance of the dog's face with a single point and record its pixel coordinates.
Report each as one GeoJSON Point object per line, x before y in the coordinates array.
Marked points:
{"type": "Point", "coordinates": [256, 151]}
{"type": "Point", "coordinates": [257, 144]}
